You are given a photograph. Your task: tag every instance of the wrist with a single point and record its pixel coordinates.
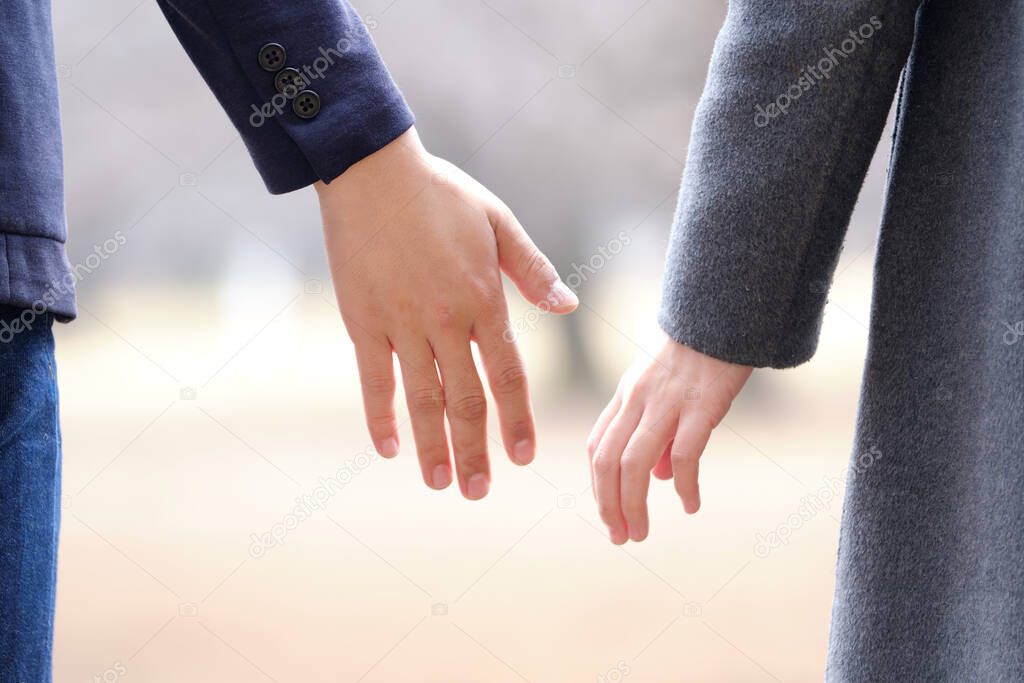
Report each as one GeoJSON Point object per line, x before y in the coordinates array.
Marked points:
{"type": "Point", "coordinates": [383, 166]}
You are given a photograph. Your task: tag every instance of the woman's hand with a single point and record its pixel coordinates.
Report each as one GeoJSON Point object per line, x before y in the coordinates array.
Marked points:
{"type": "Point", "coordinates": [416, 249]}
{"type": "Point", "coordinates": [659, 421]}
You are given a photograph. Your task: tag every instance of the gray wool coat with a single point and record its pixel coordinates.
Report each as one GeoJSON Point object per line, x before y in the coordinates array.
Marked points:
{"type": "Point", "coordinates": [930, 579]}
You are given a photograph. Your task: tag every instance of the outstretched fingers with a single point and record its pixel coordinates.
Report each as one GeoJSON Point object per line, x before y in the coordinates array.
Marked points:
{"type": "Point", "coordinates": [506, 376]}
{"type": "Point", "coordinates": [425, 399]}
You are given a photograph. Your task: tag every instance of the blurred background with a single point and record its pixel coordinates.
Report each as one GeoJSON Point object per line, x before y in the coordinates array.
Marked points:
{"type": "Point", "coordinates": [209, 388]}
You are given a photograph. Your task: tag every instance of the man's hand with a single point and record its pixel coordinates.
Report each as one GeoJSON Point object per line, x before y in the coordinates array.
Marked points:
{"type": "Point", "coordinates": [659, 421]}
{"type": "Point", "coordinates": [416, 249]}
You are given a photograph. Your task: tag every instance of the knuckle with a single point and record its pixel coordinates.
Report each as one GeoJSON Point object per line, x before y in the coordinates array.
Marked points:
{"type": "Point", "coordinates": [510, 380]}
{"type": "Point", "coordinates": [433, 453]}
{"type": "Point", "coordinates": [608, 512]}
{"type": "Point", "coordinates": [380, 422]}
{"type": "Point", "coordinates": [426, 401]}
{"type": "Point", "coordinates": [604, 465]}
{"type": "Point", "coordinates": [487, 294]}
{"type": "Point", "coordinates": [473, 464]}
{"type": "Point", "coordinates": [506, 215]}
{"type": "Point", "coordinates": [377, 383]}
{"type": "Point", "coordinates": [631, 463]}
{"type": "Point", "coordinates": [445, 316]}
{"type": "Point", "coordinates": [471, 407]}
{"type": "Point", "coordinates": [709, 419]}
{"type": "Point", "coordinates": [521, 429]}
{"type": "Point", "coordinates": [687, 457]}
{"type": "Point", "coordinates": [504, 219]}
{"type": "Point", "coordinates": [536, 265]}
{"type": "Point", "coordinates": [635, 394]}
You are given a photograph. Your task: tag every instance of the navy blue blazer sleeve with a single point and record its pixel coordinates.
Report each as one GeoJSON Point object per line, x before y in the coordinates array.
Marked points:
{"type": "Point", "coordinates": [301, 80]}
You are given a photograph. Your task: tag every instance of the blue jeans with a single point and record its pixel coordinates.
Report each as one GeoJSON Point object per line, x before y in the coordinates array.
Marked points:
{"type": "Point", "coordinates": [29, 495]}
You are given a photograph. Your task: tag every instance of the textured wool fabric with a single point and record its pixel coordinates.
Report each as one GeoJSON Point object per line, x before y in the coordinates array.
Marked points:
{"type": "Point", "coordinates": [362, 110]}
{"type": "Point", "coordinates": [930, 579]}
{"type": "Point", "coordinates": [29, 495]}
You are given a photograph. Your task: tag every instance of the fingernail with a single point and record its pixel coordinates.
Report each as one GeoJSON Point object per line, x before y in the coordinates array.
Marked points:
{"type": "Point", "coordinates": [477, 487]}
{"type": "Point", "coordinates": [389, 447]}
{"type": "Point", "coordinates": [522, 453]}
{"type": "Point", "coordinates": [618, 536]}
{"type": "Point", "coordinates": [441, 477]}
{"type": "Point", "coordinates": [636, 533]}
{"type": "Point", "coordinates": [561, 295]}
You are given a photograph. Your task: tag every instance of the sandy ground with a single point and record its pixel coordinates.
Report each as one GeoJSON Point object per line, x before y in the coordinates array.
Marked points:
{"type": "Point", "coordinates": [195, 415]}
{"type": "Point", "coordinates": [190, 434]}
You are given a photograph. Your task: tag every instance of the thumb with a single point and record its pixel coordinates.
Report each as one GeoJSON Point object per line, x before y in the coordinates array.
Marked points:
{"type": "Point", "coordinates": [528, 267]}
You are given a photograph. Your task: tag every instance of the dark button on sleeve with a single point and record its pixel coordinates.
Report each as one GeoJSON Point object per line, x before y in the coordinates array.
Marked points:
{"type": "Point", "coordinates": [272, 57]}
{"type": "Point", "coordinates": [306, 105]}
{"type": "Point", "coordinates": [289, 82]}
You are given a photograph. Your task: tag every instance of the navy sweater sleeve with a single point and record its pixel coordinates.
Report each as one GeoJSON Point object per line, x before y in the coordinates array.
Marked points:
{"type": "Point", "coordinates": [34, 272]}
{"type": "Point", "coordinates": [301, 81]}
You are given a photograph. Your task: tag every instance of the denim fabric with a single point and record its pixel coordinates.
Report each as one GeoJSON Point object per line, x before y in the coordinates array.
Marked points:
{"type": "Point", "coordinates": [29, 495]}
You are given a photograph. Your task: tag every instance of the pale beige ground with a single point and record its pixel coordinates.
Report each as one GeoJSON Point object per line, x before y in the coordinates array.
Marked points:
{"type": "Point", "coordinates": [393, 582]}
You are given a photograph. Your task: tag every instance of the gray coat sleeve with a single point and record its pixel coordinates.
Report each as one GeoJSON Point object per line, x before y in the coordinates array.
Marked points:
{"type": "Point", "coordinates": [796, 98]}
